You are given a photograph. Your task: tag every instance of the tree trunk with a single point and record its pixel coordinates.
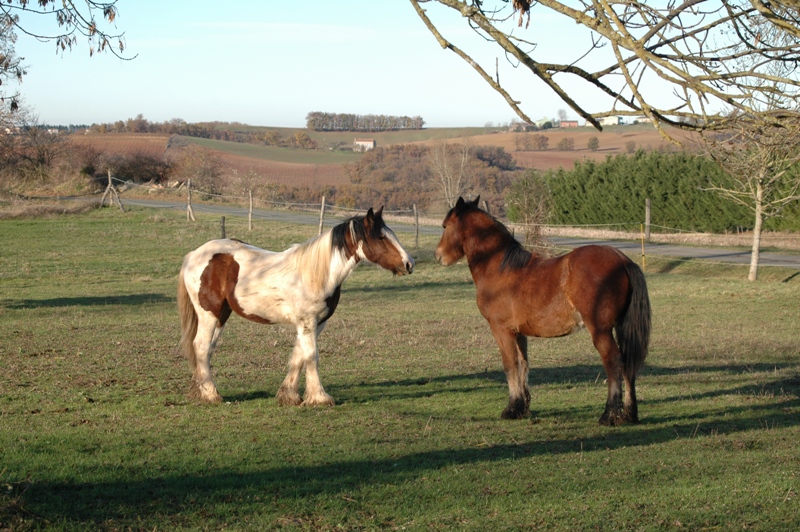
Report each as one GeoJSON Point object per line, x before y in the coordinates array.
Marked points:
{"type": "Point", "coordinates": [754, 255]}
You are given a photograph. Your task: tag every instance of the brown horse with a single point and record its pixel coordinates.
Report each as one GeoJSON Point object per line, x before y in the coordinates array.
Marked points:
{"type": "Point", "coordinates": [522, 294]}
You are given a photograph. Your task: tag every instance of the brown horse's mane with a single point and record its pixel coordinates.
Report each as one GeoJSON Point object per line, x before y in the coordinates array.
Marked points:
{"type": "Point", "coordinates": [338, 240]}
{"type": "Point", "coordinates": [515, 256]}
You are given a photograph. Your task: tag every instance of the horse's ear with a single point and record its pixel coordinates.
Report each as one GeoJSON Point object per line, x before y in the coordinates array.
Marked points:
{"type": "Point", "coordinates": [459, 204]}
{"type": "Point", "coordinates": [370, 214]}
{"type": "Point", "coordinates": [476, 200]}
{"type": "Point", "coordinates": [379, 212]}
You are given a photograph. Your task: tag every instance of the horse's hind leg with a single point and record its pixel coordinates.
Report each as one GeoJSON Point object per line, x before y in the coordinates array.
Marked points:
{"type": "Point", "coordinates": [612, 363]}
{"type": "Point", "coordinates": [514, 351]}
{"type": "Point", "coordinates": [630, 407]}
{"type": "Point", "coordinates": [287, 393]}
{"type": "Point", "coordinates": [208, 333]}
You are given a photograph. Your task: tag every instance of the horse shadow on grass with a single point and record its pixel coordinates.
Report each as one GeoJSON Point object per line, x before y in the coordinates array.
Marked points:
{"type": "Point", "coordinates": [577, 375]}
{"type": "Point", "coordinates": [86, 301]}
{"type": "Point", "coordinates": [172, 496]}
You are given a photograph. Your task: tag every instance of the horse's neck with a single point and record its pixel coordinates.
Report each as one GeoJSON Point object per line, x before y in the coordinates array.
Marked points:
{"type": "Point", "coordinates": [481, 247]}
{"type": "Point", "coordinates": [495, 252]}
{"type": "Point", "coordinates": [340, 266]}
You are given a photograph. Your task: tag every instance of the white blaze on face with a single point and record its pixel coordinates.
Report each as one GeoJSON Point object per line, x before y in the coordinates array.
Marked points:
{"type": "Point", "coordinates": [391, 237]}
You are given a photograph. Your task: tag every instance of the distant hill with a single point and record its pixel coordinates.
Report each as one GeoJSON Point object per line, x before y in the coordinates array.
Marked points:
{"type": "Point", "coordinates": [326, 165]}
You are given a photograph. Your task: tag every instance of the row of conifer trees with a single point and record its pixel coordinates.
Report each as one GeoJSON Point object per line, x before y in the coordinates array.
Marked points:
{"type": "Point", "coordinates": [615, 191]}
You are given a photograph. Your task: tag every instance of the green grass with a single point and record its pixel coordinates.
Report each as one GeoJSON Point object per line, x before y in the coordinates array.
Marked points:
{"type": "Point", "coordinates": [96, 431]}
{"type": "Point", "coordinates": [272, 153]}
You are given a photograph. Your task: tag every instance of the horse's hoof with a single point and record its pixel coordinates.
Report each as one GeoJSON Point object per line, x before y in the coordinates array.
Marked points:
{"type": "Point", "coordinates": [203, 393]}
{"type": "Point", "coordinates": [213, 400]}
{"type": "Point", "coordinates": [513, 414]}
{"type": "Point", "coordinates": [633, 419]}
{"type": "Point", "coordinates": [322, 399]}
{"type": "Point", "coordinates": [516, 409]}
{"type": "Point", "coordinates": [611, 420]}
{"type": "Point", "coordinates": [288, 398]}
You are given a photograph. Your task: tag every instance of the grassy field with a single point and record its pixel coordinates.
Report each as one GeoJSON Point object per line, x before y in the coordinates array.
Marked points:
{"type": "Point", "coordinates": [272, 153]}
{"type": "Point", "coordinates": [96, 431]}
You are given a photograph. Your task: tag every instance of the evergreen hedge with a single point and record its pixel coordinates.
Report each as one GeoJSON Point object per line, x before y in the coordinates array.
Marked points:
{"type": "Point", "coordinates": [614, 192]}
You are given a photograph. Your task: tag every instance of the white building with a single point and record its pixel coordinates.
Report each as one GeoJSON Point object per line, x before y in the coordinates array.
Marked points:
{"type": "Point", "coordinates": [611, 121]}
{"type": "Point", "coordinates": [364, 144]}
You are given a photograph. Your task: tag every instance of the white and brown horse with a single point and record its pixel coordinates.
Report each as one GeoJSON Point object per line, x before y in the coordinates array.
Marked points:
{"type": "Point", "coordinates": [299, 286]}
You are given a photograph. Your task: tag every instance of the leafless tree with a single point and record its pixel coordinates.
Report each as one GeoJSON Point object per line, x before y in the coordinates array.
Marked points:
{"type": "Point", "coordinates": [634, 49]}
{"type": "Point", "coordinates": [759, 154]}
{"type": "Point", "coordinates": [529, 203]}
{"type": "Point", "coordinates": [201, 165]}
{"type": "Point", "coordinates": [449, 166]}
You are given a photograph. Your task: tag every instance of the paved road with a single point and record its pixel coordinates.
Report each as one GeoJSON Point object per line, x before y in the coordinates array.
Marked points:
{"type": "Point", "coordinates": [630, 247]}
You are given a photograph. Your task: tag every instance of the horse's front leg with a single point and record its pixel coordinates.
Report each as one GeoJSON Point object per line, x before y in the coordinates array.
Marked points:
{"type": "Point", "coordinates": [514, 351]}
{"type": "Point", "coordinates": [288, 394]}
{"type": "Point", "coordinates": [315, 394]}
{"type": "Point", "coordinates": [305, 355]}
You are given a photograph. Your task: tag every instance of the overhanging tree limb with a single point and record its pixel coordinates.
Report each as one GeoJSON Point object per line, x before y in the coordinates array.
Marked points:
{"type": "Point", "coordinates": [716, 56]}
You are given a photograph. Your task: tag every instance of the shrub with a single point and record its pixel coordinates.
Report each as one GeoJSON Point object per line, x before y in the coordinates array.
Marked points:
{"type": "Point", "coordinates": [566, 144]}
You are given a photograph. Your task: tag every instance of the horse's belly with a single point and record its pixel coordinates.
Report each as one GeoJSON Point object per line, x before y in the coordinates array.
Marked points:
{"type": "Point", "coordinates": [271, 306]}
{"type": "Point", "coordinates": [553, 325]}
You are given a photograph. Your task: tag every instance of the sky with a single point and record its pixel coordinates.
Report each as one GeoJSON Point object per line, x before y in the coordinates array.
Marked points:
{"type": "Point", "coordinates": [270, 63]}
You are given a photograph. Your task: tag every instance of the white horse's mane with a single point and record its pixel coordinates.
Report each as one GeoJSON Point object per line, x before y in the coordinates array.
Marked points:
{"type": "Point", "coordinates": [313, 260]}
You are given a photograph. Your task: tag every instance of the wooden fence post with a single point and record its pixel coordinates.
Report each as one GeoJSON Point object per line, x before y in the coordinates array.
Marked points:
{"type": "Point", "coordinates": [111, 193]}
{"type": "Point", "coordinates": [250, 213]}
{"type": "Point", "coordinates": [189, 211]}
{"type": "Point", "coordinates": [222, 226]}
{"type": "Point", "coordinates": [647, 219]}
{"type": "Point", "coordinates": [644, 265]}
{"type": "Point", "coordinates": [321, 215]}
{"type": "Point", "coordinates": [416, 227]}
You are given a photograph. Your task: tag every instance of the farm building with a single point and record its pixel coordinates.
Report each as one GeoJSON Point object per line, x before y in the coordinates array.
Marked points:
{"type": "Point", "coordinates": [569, 123]}
{"type": "Point", "coordinates": [610, 121]}
{"type": "Point", "coordinates": [364, 144]}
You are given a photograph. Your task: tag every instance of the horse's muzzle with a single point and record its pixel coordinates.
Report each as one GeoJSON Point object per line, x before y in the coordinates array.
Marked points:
{"type": "Point", "coordinates": [406, 268]}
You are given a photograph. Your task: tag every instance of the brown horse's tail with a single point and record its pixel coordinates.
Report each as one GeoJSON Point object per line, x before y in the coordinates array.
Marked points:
{"type": "Point", "coordinates": [633, 334]}
{"type": "Point", "coordinates": [188, 322]}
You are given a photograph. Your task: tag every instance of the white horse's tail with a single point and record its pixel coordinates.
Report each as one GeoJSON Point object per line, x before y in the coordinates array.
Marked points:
{"type": "Point", "coordinates": [188, 322]}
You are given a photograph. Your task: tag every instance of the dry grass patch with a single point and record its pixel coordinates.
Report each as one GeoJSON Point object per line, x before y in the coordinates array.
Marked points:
{"type": "Point", "coordinates": [25, 208]}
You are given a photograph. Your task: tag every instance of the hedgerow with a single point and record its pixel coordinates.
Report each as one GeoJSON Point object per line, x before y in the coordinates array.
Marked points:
{"type": "Point", "coordinates": [614, 192]}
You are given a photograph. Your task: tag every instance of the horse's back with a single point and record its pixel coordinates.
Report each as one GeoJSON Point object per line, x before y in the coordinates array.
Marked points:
{"type": "Point", "coordinates": [237, 249]}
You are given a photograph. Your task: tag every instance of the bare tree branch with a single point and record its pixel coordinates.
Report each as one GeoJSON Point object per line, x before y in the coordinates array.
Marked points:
{"type": "Point", "coordinates": [73, 19]}
{"type": "Point", "coordinates": [717, 56]}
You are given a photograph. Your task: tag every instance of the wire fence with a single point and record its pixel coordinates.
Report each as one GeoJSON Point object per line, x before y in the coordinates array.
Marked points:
{"type": "Point", "coordinates": [630, 231]}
